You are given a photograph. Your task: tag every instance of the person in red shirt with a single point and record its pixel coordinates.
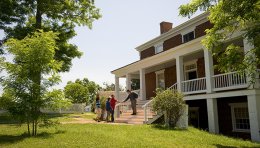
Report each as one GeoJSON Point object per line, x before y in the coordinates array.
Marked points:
{"type": "Point", "coordinates": [113, 104]}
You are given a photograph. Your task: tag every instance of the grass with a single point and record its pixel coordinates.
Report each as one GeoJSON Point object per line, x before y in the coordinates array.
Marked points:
{"type": "Point", "coordinates": [70, 117]}
{"type": "Point", "coordinates": [104, 135]}
{"type": "Point", "coordinates": [7, 119]}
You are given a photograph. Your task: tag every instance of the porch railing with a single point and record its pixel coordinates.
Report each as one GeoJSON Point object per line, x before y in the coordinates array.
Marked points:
{"type": "Point", "coordinates": [173, 87]}
{"type": "Point", "coordinates": [231, 80]}
{"type": "Point", "coordinates": [194, 86]}
{"type": "Point", "coordinates": [121, 108]}
{"type": "Point", "coordinates": [147, 110]}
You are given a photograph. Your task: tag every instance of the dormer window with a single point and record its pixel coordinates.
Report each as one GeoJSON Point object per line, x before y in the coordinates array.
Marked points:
{"type": "Point", "coordinates": [188, 37]}
{"type": "Point", "coordinates": [158, 48]}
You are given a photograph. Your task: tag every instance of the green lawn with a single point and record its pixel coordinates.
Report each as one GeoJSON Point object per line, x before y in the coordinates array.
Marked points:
{"type": "Point", "coordinates": [107, 135]}
{"type": "Point", "coordinates": [102, 135]}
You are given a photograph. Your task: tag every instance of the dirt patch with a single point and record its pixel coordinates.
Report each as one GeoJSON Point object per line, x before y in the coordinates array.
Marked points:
{"type": "Point", "coordinates": [79, 120]}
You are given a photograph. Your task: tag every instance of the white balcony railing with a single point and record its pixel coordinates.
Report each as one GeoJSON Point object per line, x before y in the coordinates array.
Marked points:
{"type": "Point", "coordinates": [194, 86]}
{"type": "Point", "coordinates": [232, 80]}
{"type": "Point", "coordinates": [174, 87]}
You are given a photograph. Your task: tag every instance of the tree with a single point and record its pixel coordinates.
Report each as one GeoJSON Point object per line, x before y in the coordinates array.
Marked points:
{"type": "Point", "coordinates": [30, 74]}
{"type": "Point", "coordinates": [90, 90]}
{"type": "Point", "coordinates": [56, 100]}
{"type": "Point", "coordinates": [18, 18]}
{"type": "Point", "coordinates": [228, 17]}
{"type": "Point", "coordinates": [76, 92]}
{"type": "Point", "coordinates": [110, 87]}
{"type": "Point", "coordinates": [171, 104]}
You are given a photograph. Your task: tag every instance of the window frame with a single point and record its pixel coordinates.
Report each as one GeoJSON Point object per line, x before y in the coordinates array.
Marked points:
{"type": "Point", "coordinates": [158, 73]}
{"type": "Point", "coordinates": [190, 70]}
{"type": "Point", "coordinates": [238, 105]}
{"type": "Point", "coordinates": [157, 46]}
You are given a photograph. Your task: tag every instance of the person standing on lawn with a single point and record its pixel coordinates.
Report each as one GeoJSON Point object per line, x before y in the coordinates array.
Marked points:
{"type": "Point", "coordinates": [132, 96]}
{"type": "Point", "coordinates": [98, 108]}
{"type": "Point", "coordinates": [113, 105]}
{"type": "Point", "coordinates": [108, 109]}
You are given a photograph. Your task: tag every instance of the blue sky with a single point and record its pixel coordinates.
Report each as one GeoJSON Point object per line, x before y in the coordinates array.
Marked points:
{"type": "Point", "coordinates": [111, 43]}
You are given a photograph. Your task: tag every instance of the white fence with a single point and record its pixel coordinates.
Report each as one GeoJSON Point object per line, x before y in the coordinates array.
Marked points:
{"type": "Point", "coordinates": [75, 108]}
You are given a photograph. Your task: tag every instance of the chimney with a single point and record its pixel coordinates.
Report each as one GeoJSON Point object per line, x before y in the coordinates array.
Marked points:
{"type": "Point", "coordinates": [165, 27]}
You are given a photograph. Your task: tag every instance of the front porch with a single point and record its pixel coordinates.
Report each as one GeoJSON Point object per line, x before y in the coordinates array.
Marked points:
{"type": "Point", "coordinates": [189, 69]}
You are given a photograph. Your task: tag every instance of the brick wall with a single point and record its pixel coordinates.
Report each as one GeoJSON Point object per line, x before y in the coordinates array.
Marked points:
{"type": "Point", "coordinates": [150, 82]}
{"type": "Point", "coordinates": [172, 42]}
{"type": "Point", "coordinates": [201, 67]}
{"type": "Point", "coordinates": [147, 53]}
{"type": "Point", "coordinates": [170, 76]}
{"type": "Point", "coordinates": [225, 119]}
{"type": "Point", "coordinates": [200, 29]}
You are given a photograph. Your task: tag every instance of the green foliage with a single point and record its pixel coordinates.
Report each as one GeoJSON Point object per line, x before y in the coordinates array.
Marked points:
{"type": "Point", "coordinates": [76, 92]}
{"type": "Point", "coordinates": [229, 17]}
{"type": "Point", "coordinates": [18, 18]}
{"type": "Point", "coordinates": [56, 100]}
{"type": "Point", "coordinates": [81, 91]}
{"type": "Point", "coordinates": [30, 74]}
{"type": "Point", "coordinates": [171, 104]}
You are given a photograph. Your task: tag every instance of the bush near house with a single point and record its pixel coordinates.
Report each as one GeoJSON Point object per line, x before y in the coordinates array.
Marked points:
{"type": "Point", "coordinates": [171, 104]}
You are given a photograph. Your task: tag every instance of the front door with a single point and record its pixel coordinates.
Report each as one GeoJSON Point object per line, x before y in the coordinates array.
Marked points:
{"type": "Point", "coordinates": [194, 116]}
{"type": "Point", "coordinates": [192, 75]}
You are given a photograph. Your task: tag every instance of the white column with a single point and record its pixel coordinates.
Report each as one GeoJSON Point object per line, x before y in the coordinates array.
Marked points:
{"type": "Point", "coordinates": [179, 71]}
{"type": "Point", "coordinates": [247, 47]}
{"type": "Point", "coordinates": [128, 81]}
{"type": "Point", "coordinates": [213, 115]}
{"type": "Point", "coordinates": [117, 87]}
{"type": "Point", "coordinates": [254, 116]}
{"type": "Point", "coordinates": [142, 84]}
{"type": "Point", "coordinates": [209, 70]}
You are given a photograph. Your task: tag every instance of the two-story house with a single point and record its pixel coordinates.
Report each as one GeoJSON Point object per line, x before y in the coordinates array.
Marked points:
{"type": "Point", "coordinates": [176, 59]}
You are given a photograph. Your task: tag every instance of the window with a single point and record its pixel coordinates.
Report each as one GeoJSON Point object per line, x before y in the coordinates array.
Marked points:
{"type": "Point", "coordinates": [160, 82]}
{"type": "Point", "coordinates": [240, 117]}
{"type": "Point", "coordinates": [158, 48]}
{"type": "Point", "coordinates": [190, 70]}
{"type": "Point", "coordinates": [188, 37]}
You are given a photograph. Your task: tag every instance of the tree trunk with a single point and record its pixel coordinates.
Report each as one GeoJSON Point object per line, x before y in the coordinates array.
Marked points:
{"type": "Point", "coordinates": [28, 128]}
{"type": "Point", "coordinates": [38, 15]}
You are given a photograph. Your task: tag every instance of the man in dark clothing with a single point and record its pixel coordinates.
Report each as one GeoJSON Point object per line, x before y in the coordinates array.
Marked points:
{"type": "Point", "coordinates": [132, 96]}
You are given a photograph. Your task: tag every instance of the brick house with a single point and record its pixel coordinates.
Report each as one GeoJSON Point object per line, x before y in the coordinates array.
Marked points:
{"type": "Point", "coordinates": [218, 102]}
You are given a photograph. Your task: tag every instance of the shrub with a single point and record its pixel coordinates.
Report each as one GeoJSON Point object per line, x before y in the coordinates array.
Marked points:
{"type": "Point", "coordinates": [171, 104]}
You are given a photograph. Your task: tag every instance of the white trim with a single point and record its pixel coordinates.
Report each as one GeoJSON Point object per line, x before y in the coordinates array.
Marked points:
{"type": "Point", "coordinates": [186, 31]}
{"type": "Point", "coordinates": [191, 70]}
{"type": "Point", "coordinates": [158, 73]}
{"type": "Point", "coordinates": [156, 46]}
{"type": "Point", "coordinates": [238, 105]}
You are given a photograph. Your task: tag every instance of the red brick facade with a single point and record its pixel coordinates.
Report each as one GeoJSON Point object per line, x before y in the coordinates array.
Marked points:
{"type": "Point", "coordinates": [172, 42]}
{"type": "Point", "coordinates": [150, 83]}
{"type": "Point", "coordinates": [170, 76]}
{"type": "Point", "coordinates": [176, 40]}
{"type": "Point", "coordinates": [200, 29]}
{"type": "Point", "coordinates": [201, 68]}
{"type": "Point", "coordinates": [147, 53]}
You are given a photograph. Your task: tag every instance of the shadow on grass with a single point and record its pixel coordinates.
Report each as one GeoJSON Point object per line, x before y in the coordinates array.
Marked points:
{"type": "Point", "coordinates": [8, 139]}
{"type": "Point", "coordinates": [163, 127]}
{"type": "Point", "coordinates": [224, 146]}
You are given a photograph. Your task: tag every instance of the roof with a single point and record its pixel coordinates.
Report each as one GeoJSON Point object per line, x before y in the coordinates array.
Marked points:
{"type": "Point", "coordinates": [168, 34]}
